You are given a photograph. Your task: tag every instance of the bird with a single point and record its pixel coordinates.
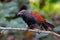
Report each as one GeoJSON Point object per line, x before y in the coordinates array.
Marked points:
{"type": "Point", "coordinates": [34, 20]}
{"type": "Point", "coordinates": [31, 18]}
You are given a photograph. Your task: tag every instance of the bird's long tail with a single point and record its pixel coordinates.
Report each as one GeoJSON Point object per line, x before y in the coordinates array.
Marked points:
{"type": "Point", "coordinates": [47, 26]}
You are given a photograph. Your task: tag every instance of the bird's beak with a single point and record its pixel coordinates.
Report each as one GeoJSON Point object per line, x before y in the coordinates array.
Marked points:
{"type": "Point", "coordinates": [19, 13]}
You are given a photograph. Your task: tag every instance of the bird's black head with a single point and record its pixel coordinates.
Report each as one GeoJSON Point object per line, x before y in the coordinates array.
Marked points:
{"type": "Point", "coordinates": [22, 13]}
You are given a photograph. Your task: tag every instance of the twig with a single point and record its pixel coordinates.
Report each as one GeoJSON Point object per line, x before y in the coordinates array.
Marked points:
{"type": "Point", "coordinates": [32, 30]}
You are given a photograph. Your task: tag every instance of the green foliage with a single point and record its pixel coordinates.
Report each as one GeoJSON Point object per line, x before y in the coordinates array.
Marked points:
{"type": "Point", "coordinates": [57, 29]}
{"type": "Point", "coordinates": [3, 22]}
{"type": "Point", "coordinates": [53, 1]}
{"type": "Point", "coordinates": [18, 23]}
{"type": "Point", "coordinates": [8, 10]}
{"type": "Point", "coordinates": [1, 15]}
{"type": "Point", "coordinates": [41, 35]}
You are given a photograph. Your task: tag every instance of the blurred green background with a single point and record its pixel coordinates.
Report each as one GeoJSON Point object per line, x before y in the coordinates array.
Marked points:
{"type": "Point", "coordinates": [49, 9]}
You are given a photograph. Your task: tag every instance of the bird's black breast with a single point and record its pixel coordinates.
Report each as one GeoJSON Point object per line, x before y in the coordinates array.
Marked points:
{"type": "Point", "coordinates": [29, 20]}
